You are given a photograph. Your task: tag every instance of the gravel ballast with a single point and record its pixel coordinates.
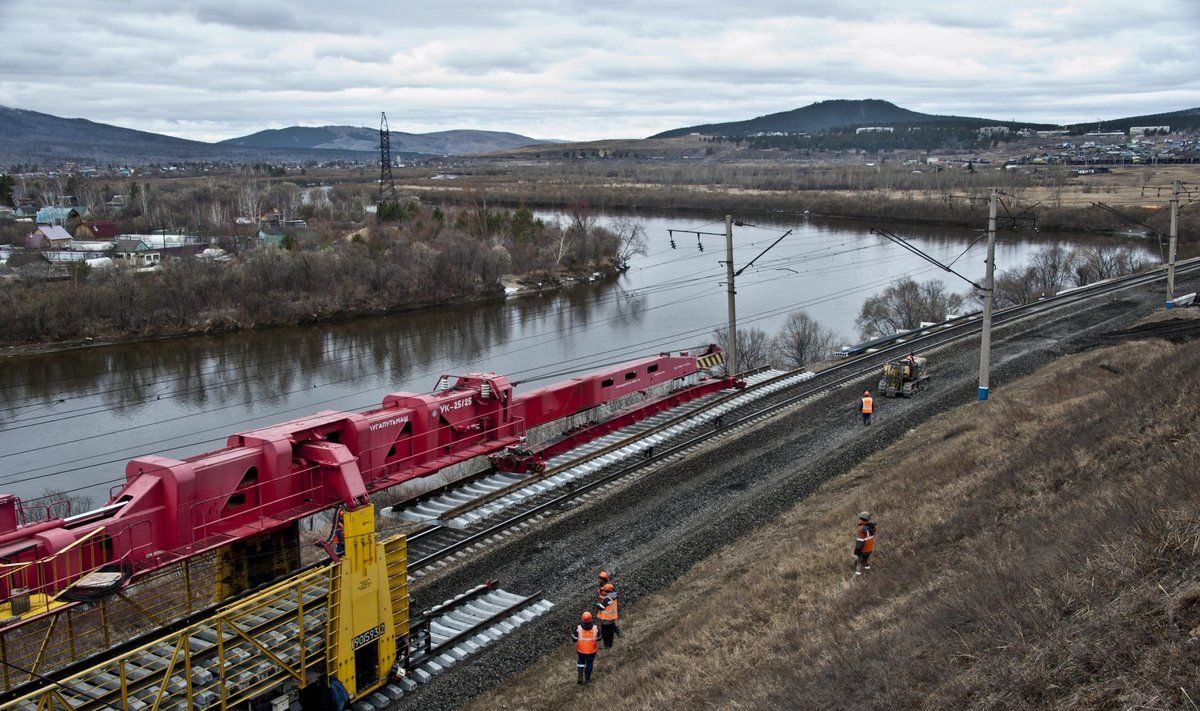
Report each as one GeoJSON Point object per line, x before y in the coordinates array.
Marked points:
{"type": "Point", "coordinates": [651, 530]}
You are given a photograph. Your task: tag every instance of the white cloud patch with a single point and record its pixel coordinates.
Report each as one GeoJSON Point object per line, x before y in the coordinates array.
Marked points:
{"type": "Point", "coordinates": [581, 69]}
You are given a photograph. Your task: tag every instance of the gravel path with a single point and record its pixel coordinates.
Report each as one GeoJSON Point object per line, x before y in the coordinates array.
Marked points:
{"type": "Point", "coordinates": [652, 530]}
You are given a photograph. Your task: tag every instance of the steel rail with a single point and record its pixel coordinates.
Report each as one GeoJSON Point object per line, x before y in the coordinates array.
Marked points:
{"type": "Point", "coordinates": [944, 334]}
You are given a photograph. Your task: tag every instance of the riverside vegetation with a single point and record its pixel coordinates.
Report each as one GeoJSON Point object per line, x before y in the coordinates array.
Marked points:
{"type": "Point", "coordinates": [1053, 196]}
{"type": "Point", "coordinates": [427, 256]}
{"type": "Point", "coordinates": [1040, 552]}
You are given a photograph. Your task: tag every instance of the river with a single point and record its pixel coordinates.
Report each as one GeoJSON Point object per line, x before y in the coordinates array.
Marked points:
{"type": "Point", "coordinates": [70, 420]}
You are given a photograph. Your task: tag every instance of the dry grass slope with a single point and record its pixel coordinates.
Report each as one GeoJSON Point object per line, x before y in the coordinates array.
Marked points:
{"type": "Point", "coordinates": [1039, 552]}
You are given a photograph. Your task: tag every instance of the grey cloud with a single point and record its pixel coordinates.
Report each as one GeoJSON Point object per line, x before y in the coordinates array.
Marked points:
{"type": "Point", "coordinates": [583, 69]}
{"type": "Point", "coordinates": [254, 15]}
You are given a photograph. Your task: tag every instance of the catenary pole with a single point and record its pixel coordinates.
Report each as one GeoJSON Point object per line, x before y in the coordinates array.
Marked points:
{"type": "Point", "coordinates": [731, 356]}
{"type": "Point", "coordinates": [1174, 239]}
{"type": "Point", "coordinates": [985, 338]}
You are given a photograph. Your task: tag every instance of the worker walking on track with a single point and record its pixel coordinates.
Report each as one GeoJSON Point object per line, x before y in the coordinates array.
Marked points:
{"type": "Point", "coordinates": [864, 543]}
{"type": "Point", "coordinates": [586, 638]}
{"type": "Point", "coordinates": [867, 406]}
{"type": "Point", "coordinates": [607, 606]}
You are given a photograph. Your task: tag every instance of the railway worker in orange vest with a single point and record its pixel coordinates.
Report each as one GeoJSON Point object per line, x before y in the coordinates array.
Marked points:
{"type": "Point", "coordinates": [339, 535]}
{"type": "Point", "coordinates": [864, 542]}
{"type": "Point", "coordinates": [602, 581]}
{"type": "Point", "coordinates": [586, 638]}
{"type": "Point", "coordinates": [607, 606]}
{"type": "Point", "coordinates": [867, 406]}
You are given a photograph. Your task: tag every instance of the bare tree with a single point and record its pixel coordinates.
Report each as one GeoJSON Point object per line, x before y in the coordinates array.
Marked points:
{"type": "Point", "coordinates": [249, 200]}
{"type": "Point", "coordinates": [1096, 262]}
{"type": "Point", "coordinates": [216, 214]}
{"type": "Point", "coordinates": [753, 346]}
{"type": "Point", "coordinates": [285, 197]}
{"type": "Point", "coordinates": [1014, 287]}
{"type": "Point", "coordinates": [801, 341]}
{"type": "Point", "coordinates": [631, 240]}
{"type": "Point", "coordinates": [579, 235]}
{"type": "Point", "coordinates": [904, 305]}
{"type": "Point", "coordinates": [564, 244]}
{"type": "Point", "coordinates": [1051, 266]}
{"type": "Point", "coordinates": [143, 196]}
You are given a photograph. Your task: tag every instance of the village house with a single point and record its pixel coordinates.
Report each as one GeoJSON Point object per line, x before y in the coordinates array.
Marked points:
{"type": "Point", "coordinates": [25, 210]}
{"type": "Point", "coordinates": [68, 217]}
{"type": "Point", "coordinates": [48, 237]}
{"type": "Point", "coordinates": [98, 230]}
{"type": "Point", "coordinates": [134, 252]}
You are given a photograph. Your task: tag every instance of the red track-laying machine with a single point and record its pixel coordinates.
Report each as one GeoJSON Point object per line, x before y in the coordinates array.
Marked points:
{"type": "Point", "coordinates": [267, 479]}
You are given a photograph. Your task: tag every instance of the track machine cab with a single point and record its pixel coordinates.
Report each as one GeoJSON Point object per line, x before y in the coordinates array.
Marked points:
{"type": "Point", "coordinates": [903, 377]}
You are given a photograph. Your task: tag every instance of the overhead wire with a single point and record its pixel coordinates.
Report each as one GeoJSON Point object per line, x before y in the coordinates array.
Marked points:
{"type": "Point", "coordinates": [341, 397]}
{"type": "Point", "coordinates": [60, 415]}
{"type": "Point", "coordinates": [590, 360]}
{"type": "Point", "coordinates": [144, 367]}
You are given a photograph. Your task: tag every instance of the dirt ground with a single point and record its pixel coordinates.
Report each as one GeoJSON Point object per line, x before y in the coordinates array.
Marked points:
{"type": "Point", "coordinates": [1029, 556]}
{"type": "Point", "coordinates": [653, 531]}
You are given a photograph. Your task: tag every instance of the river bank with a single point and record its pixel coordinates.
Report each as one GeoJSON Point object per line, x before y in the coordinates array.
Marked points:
{"type": "Point", "coordinates": [1054, 201]}
{"type": "Point", "coordinates": [507, 286]}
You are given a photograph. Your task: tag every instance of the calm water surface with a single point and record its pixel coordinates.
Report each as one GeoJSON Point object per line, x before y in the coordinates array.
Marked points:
{"type": "Point", "coordinates": [69, 421]}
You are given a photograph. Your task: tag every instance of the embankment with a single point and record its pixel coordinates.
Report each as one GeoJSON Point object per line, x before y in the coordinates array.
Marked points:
{"type": "Point", "coordinates": [1039, 551]}
{"type": "Point", "coordinates": [916, 207]}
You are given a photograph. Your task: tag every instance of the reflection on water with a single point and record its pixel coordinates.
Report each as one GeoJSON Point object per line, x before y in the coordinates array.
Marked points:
{"type": "Point", "coordinates": [70, 420]}
{"type": "Point", "coordinates": [267, 366]}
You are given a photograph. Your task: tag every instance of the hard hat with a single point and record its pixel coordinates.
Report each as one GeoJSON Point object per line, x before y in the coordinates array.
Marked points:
{"type": "Point", "coordinates": [603, 575]}
{"type": "Point", "coordinates": [865, 516]}
{"type": "Point", "coordinates": [866, 392]}
{"type": "Point", "coordinates": [607, 587]}
{"type": "Point", "coordinates": [586, 616]}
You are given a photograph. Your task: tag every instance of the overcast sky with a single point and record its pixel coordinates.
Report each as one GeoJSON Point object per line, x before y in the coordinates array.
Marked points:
{"type": "Point", "coordinates": [585, 69]}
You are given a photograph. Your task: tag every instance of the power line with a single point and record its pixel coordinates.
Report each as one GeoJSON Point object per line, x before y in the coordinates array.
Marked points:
{"type": "Point", "coordinates": [58, 416]}
{"type": "Point", "coordinates": [299, 341]}
{"type": "Point", "coordinates": [247, 420]}
{"type": "Point", "coordinates": [590, 362]}
{"type": "Point", "coordinates": [91, 409]}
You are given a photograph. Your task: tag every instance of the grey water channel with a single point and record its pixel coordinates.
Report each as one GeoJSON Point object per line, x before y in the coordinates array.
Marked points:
{"type": "Point", "coordinates": [70, 420]}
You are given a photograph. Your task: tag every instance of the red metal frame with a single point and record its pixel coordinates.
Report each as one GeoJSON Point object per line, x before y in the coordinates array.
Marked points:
{"type": "Point", "coordinates": [169, 509]}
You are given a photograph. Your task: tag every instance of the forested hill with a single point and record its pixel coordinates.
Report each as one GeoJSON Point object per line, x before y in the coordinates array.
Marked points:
{"type": "Point", "coordinates": [34, 137]}
{"type": "Point", "coordinates": [1185, 118]}
{"type": "Point", "coordinates": [356, 138]}
{"type": "Point", "coordinates": [38, 138]}
{"type": "Point", "coordinates": [839, 113]}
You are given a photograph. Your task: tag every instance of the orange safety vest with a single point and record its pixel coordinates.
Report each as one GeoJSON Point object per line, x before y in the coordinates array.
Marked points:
{"type": "Point", "coordinates": [868, 405]}
{"type": "Point", "coordinates": [609, 613]}
{"type": "Point", "coordinates": [865, 535]}
{"type": "Point", "coordinates": [586, 640]}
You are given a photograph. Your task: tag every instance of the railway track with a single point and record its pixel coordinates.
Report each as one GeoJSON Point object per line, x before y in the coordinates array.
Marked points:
{"type": "Point", "coordinates": [211, 658]}
{"type": "Point", "coordinates": [467, 519]}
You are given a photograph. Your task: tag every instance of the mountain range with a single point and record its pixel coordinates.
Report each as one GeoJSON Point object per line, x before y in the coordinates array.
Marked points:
{"type": "Point", "coordinates": [355, 138]}
{"type": "Point", "coordinates": [849, 113]}
{"type": "Point", "coordinates": [34, 137]}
